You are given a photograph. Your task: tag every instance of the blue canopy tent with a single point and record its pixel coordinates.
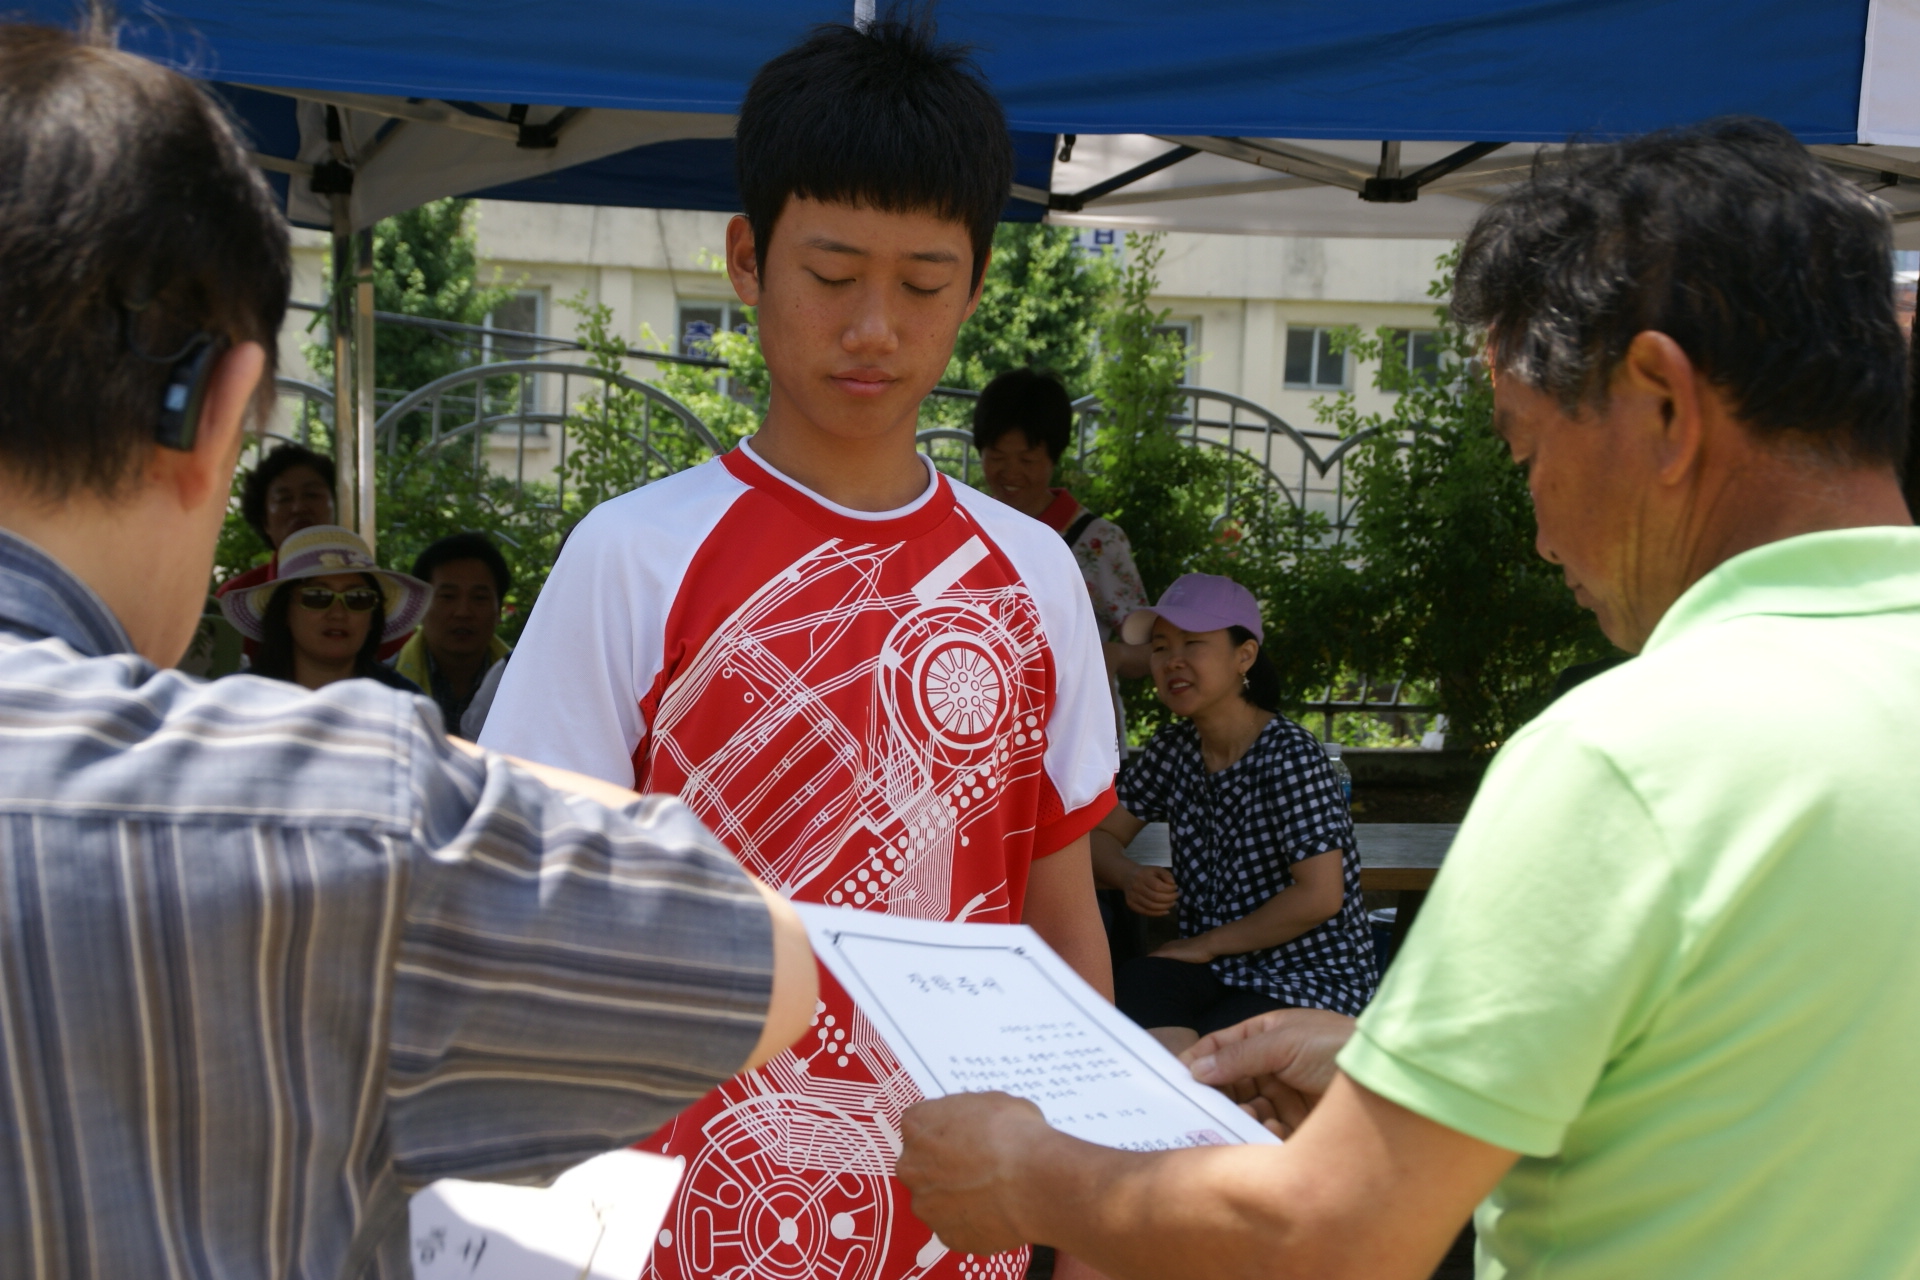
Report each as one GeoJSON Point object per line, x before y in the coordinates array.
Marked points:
{"type": "Point", "coordinates": [1401, 117]}
{"type": "Point", "coordinates": [564, 103]}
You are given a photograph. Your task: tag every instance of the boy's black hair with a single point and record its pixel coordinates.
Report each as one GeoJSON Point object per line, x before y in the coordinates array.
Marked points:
{"type": "Point", "coordinates": [884, 117]}
{"type": "Point", "coordinates": [465, 546]}
{"type": "Point", "coordinates": [1031, 401]}
{"type": "Point", "coordinates": [253, 494]}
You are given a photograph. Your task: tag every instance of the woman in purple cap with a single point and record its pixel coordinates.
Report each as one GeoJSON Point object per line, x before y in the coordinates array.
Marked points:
{"type": "Point", "coordinates": [1265, 875]}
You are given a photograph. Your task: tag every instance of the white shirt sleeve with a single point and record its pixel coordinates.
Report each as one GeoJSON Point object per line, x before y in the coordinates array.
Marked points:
{"type": "Point", "coordinates": [1082, 754]}
{"type": "Point", "coordinates": [594, 645]}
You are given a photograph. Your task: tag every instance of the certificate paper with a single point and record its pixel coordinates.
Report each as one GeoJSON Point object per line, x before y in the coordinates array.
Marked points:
{"type": "Point", "coordinates": [596, 1222]}
{"type": "Point", "coordinates": [970, 1008]}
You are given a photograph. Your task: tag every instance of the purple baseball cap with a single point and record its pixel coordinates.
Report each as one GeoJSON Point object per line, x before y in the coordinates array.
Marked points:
{"type": "Point", "coordinates": [1198, 602]}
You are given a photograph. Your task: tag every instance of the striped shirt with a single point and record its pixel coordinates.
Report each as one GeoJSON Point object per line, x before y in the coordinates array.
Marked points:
{"type": "Point", "coordinates": [270, 960]}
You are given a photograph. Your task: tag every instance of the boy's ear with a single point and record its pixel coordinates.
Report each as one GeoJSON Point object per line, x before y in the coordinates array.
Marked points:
{"type": "Point", "coordinates": [743, 267]}
{"type": "Point", "coordinates": [974, 301]}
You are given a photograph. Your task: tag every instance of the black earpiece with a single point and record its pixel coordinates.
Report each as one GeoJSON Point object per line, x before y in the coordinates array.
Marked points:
{"type": "Point", "coordinates": [187, 375]}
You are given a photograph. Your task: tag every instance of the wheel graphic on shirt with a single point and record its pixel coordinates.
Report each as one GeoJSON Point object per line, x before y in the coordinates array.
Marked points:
{"type": "Point", "coordinates": [960, 690]}
{"type": "Point", "coordinates": [744, 1214]}
{"type": "Point", "coordinates": [948, 677]}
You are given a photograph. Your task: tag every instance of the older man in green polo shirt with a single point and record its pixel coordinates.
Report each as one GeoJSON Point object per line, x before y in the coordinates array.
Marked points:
{"type": "Point", "coordinates": [1661, 1015]}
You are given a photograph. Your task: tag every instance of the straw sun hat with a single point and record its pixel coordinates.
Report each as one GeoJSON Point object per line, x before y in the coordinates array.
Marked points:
{"type": "Point", "coordinates": [321, 551]}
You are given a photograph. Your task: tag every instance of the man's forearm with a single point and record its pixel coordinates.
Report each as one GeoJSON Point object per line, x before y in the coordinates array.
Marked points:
{"type": "Point", "coordinates": [1163, 1216]}
{"type": "Point", "coordinates": [1365, 1190]}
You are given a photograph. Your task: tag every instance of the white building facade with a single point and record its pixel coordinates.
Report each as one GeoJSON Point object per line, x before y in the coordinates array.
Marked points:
{"type": "Point", "coordinates": [1253, 309]}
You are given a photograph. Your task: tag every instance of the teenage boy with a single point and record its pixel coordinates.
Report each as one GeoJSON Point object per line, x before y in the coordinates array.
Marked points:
{"type": "Point", "coordinates": [884, 691]}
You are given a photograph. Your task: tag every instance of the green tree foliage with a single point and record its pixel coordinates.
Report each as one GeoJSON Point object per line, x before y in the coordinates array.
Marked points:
{"type": "Point", "coordinates": [1445, 585]}
{"type": "Point", "coordinates": [1041, 304]}
{"type": "Point", "coordinates": [619, 438]}
{"type": "Point", "coordinates": [425, 263]}
{"type": "Point", "coordinates": [1194, 508]}
{"type": "Point", "coordinates": [1146, 478]}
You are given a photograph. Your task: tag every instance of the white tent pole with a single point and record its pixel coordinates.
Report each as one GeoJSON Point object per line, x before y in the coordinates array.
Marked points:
{"type": "Point", "coordinates": [363, 354]}
{"type": "Point", "coordinates": [345, 435]}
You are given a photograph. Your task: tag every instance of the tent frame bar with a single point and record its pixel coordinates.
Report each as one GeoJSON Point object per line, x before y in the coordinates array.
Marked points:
{"type": "Point", "coordinates": [1391, 188]}
{"type": "Point", "coordinates": [1078, 200]}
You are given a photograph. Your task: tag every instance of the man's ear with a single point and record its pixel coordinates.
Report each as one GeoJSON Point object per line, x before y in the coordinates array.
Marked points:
{"type": "Point", "coordinates": [973, 302]}
{"type": "Point", "coordinates": [206, 470]}
{"type": "Point", "coordinates": [743, 266]}
{"type": "Point", "coordinates": [1669, 391]}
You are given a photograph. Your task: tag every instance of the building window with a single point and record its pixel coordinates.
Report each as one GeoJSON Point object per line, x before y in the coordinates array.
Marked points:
{"type": "Point", "coordinates": [1312, 363]}
{"type": "Point", "coordinates": [525, 311]}
{"type": "Point", "coordinates": [1420, 348]}
{"type": "Point", "coordinates": [522, 312]}
{"type": "Point", "coordinates": [699, 321]}
{"type": "Point", "coordinates": [1099, 242]}
{"type": "Point", "coordinates": [1186, 333]}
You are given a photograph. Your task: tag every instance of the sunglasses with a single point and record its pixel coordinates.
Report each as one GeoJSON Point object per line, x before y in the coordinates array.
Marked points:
{"type": "Point", "coordinates": [358, 599]}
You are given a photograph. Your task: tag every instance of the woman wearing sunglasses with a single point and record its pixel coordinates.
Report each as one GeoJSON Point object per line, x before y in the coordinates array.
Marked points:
{"type": "Point", "coordinates": [327, 611]}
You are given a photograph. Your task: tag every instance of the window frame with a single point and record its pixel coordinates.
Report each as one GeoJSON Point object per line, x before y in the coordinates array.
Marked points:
{"type": "Point", "coordinates": [1407, 338]}
{"type": "Point", "coordinates": [1318, 340]}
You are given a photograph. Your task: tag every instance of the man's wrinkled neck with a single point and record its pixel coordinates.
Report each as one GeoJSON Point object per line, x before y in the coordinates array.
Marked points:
{"type": "Point", "coordinates": [1767, 491]}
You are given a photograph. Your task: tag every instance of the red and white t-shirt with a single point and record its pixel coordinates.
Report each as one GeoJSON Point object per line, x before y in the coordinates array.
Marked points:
{"type": "Point", "coordinates": [895, 712]}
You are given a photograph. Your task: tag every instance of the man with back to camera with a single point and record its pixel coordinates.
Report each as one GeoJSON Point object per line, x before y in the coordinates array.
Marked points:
{"type": "Point", "coordinates": [1661, 1011]}
{"type": "Point", "coordinates": [270, 959]}
{"type": "Point", "coordinates": [882, 690]}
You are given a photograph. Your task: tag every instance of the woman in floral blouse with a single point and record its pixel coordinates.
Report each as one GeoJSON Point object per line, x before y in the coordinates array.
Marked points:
{"type": "Point", "coordinates": [1022, 424]}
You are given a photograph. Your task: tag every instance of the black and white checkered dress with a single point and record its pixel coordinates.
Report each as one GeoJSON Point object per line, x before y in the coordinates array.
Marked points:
{"type": "Point", "coordinates": [1236, 835]}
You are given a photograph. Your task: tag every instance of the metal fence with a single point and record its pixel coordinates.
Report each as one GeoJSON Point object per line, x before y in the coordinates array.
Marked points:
{"type": "Point", "coordinates": [514, 415]}
{"type": "Point", "coordinates": [517, 416]}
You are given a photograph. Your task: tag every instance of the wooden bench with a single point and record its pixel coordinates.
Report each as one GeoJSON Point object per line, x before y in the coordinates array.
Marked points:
{"type": "Point", "coordinates": [1395, 857]}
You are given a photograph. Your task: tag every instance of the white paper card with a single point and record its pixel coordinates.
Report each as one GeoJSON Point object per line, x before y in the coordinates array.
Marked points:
{"type": "Point", "coordinates": [597, 1220]}
{"type": "Point", "coordinates": [969, 1008]}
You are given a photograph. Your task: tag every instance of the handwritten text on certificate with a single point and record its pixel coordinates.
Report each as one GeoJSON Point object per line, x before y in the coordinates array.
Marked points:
{"type": "Point", "coordinates": [970, 1008]}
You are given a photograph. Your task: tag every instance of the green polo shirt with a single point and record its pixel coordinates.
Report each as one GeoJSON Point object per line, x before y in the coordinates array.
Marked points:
{"type": "Point", "coordinates": [1674, 956]}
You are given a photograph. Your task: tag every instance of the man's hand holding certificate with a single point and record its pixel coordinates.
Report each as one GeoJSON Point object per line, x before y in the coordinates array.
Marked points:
{"type": "Point", "coordinates": [976, 1008]}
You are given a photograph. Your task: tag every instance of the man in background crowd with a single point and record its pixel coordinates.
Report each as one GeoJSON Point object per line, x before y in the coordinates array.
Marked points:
{"type": "Point", "coordinates": [456, 654]}
{"type": "Point", "coordinates": [291, 489]}
{"type": "Point", "coordinates": [271, 959]}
